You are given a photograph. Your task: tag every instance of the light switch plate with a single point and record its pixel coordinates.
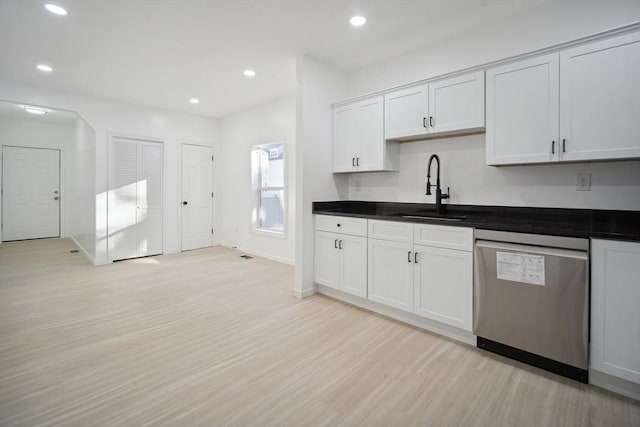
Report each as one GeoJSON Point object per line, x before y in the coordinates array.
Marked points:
{"type": "Point", "coordinates": [584, 182]}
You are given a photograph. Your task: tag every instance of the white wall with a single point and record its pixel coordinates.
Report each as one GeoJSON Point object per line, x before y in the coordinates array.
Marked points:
{"type": "Point", "coordinates": [271, 122]}
{"type": "Point", "coordinates": [28, 133]}
{"type": "Point", "coordinates": [615, 185]}
{"type": "Point", "coordinates": [319, 85]}
{"type": "Point", "coordinates": [108, 117]}
{"type": "Point", "coordinates": [83, 188]}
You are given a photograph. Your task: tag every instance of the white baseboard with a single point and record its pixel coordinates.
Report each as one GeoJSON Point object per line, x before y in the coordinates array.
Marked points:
{"type": "Point", "coordinates": [258, 253]}
{"type": "Point", "coordinates": [83, 251]}
{"type": "Point", "coordinates": [614, 384]}
{"type": "Point", "coordinates": [430, 325]}
{"type": "Point", "coordinates": [304, 293]}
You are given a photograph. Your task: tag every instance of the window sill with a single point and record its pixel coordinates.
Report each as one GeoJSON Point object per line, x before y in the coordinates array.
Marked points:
{"type": "Point", "coordinates": [276, 234]}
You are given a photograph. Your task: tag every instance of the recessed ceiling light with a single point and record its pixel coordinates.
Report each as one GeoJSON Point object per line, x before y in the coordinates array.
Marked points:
{"type": "Point", "coordinates": [194, 101]}
{"type": "Point", "coordinates": [358, 21]}
{"type": "Point", "coordinates": [54, 8]}
{"type": "Point", "coordinates": [45, 68]}
{"type": "Point", "coordinates": [35, 110]}
{"type": "Point", "coordinates": [249, 73]}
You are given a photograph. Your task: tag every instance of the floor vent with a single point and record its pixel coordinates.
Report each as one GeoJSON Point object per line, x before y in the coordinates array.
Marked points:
{"type": "Point", "coordinates": [246, 257]}
{"type": "Point", "coordinates": [74, 251]}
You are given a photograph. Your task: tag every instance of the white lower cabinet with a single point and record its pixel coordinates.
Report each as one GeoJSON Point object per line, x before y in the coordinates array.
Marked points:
{"type": "Point", "coordinates": [341, 262]}
{"type": "Point", "coordinates": [443, 285]}
{"type": "Point", "coordinates": [615, 317]}
{"type": "Point", "coordinates": [391, 273]}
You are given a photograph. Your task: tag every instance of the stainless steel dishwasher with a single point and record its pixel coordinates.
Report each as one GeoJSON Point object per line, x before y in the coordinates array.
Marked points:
{"type": "Point", "coordinates": [531, 299]}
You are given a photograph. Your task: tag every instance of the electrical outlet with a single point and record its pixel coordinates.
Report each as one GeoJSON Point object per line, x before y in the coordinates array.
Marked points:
{"type": "Point", "coordinates": [584, 182]}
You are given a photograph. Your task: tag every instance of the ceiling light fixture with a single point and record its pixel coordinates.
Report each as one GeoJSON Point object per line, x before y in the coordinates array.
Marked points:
{"type": "Point", "coordinates": [249, 73]}
{"type": "Point", "coordinates": [358, 21]}
{"type": "Point", "coordinates": [55, 9]}
{"type": "Point", "coordinates": [35, 110]}
{"type": "Point", "coordinates": [194, 101]}
{"type": "Point", "coordinates": [45, 68]}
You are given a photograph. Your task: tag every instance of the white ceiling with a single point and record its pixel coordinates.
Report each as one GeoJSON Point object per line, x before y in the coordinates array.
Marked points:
{"type": "Point", "coordinates": [12, 111]}
{"type": "Point", "coordinates": [161, 53]}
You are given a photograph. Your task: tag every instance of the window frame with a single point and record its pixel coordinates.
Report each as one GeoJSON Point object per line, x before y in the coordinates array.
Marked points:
{"type": "Point", "coordinates": [256, 190]}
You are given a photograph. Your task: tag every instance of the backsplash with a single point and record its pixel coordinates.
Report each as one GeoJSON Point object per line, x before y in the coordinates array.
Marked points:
{"type": "Point", "coordinates": [614, 185]}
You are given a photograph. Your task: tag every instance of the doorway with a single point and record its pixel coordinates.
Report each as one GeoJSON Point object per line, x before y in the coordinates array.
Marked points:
{"type": "Point", "coordinates": [30, 193]}
{"type": "Point", "coordinates": [197, 197]}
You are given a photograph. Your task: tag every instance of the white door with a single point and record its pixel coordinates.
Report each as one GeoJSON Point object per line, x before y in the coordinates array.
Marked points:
{"type": "Point", "coordinates": [600, 100]}
{"type": "Point", "coordinates": [615, 318]}
{"type": "Point", "coordinates": [197, 197]}
{"type": "Point", "coordinates": [371, 144]}
{"type": "Point", "coordinates": [345, 138]}
{"type": "Point", "coordinates": [390, 273]}
{"type": "Point", "coordinates": [406, 112]}
{"type": "Point", "coordinates": [522, 111]}
{"type": "Point", "coordinates": [353, 264]}
{"type": "Point", "coordinates": [135, 199]}
{"type": "Point", "coordinates": [456, 103]}
{"type": "Point", "coordinates": [30, 193]}
{"type": "Point", "coordinates": [327, 265]}
{"type": "Point", "coordinates": [444, 285]}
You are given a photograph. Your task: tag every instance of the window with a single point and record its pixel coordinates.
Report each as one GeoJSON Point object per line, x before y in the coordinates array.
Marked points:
{"type": "Point", "coordinates": [267, 170]}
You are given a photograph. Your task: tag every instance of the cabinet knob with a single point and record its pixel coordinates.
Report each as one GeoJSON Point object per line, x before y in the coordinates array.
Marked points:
{"type": "Point", "coordinates": [339, 225]}
{"type": "Point", "coordinates": [185, 203]}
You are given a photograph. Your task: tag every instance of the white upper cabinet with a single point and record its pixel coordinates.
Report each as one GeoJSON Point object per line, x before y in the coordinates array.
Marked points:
{"type": "Point", "coordinates": [579, 104]}
{"type": "Point", "coordinates": [522, 111]}
{"type": "Point", "coordinates": [406, 112]}
{"type": "Point", "coordinates": [600, 100]}
{"type": "Point", "coordinates": [443, 106]}
{"type": "Point", "coordinates": [457, 103]}
{"type": "Point", "coordinates": [358, 138]}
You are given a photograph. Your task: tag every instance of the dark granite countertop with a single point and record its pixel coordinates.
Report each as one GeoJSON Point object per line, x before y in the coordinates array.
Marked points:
{"type": "Point", "coordinates": [585, 223]}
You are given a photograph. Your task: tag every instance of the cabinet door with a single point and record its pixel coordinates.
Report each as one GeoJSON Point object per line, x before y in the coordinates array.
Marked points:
{"type": "Point", "coordinates": [353, 264]}
{"type": "Point", "coordinates": [615, 318]}
{"type": "Point", "coordinates": [443, 285]}
{"type": "Point", "coordinates": [522, 111]}
{"type": "Point", "coordinates": [390, 278]}
{"type": "Point", "coordinates": [600, 100]}
{"type": "Point", "coordinates": [327, 262]}
{"type": "Point", "coordinates": [405, 112]}
{"type": "Point", "coordinates": [456, 103]}
{"type": "Point", "coordinates": [345, 137]}
{"type": "Point", "coordinates": [371, 152]}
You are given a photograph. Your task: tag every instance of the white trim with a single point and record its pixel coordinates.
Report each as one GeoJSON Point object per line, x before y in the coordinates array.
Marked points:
{"type": "Point", "coordinates": [305, 293]}
{"type": "Point", "coordinates": [91, 259]}
{"type": "Point", "coordinates": [614, 384]}
{"type": "Point", "coordinates": [260, 254]}
{"type": "Point", "coordinates": [543, 51]}
{"type": "Point", "coordinates": [410, 318]}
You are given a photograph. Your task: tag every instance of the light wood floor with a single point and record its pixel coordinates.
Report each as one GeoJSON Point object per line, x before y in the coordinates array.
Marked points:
{"type": "Point", "coordinates": [208, 338]}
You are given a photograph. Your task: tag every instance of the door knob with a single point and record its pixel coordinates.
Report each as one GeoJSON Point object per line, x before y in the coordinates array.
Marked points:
{"type": "Point", "coordinates": [184, 203]}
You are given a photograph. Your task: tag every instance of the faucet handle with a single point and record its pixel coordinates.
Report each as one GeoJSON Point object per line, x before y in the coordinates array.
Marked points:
{"type": "Point", "coordinates": [446, 196]}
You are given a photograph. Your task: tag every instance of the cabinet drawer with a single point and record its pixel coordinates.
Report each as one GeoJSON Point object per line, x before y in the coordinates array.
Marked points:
{"type": "Point", "coordinates": [443, 236]}
{"type": "Point", "coordinates": [342, 224]}
{"type": "Point", "coordinates": [391, 230]}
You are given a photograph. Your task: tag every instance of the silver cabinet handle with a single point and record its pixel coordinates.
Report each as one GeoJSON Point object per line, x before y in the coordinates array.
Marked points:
{"type": "Point", "coordinates": [553, 147]}
{"type": "Point", "coordinates": [431, 121]}
{"type": "Point", "coordinates": [424, 122]}
{"type": "Point", "coordinates": [335, 243]}
{"type": "Point", "coordinates": [409, 256]}
{"type": "Point", "coordinates": [563, 141]}
{"type": "Point", "coordinates": [340, 244]}
{"type": "Point", "coordinates": [353, 161]}
{"type": "Point", "coordinates": [415, 257]}
{"type": "Point", "coordinates": [357, 161]}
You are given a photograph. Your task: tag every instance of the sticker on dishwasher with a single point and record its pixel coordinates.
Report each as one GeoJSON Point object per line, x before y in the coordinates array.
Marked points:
{"type": "Point", "coordinates": [523, 268]}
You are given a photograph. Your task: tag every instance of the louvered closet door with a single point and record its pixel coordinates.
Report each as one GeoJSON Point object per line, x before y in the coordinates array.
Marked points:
{"type": "Point", "coordinates": [150, 199]}
{"type": "Point", "coordinates": [123, 201]}
{"type": "Point", "coordinates": [135, 199]}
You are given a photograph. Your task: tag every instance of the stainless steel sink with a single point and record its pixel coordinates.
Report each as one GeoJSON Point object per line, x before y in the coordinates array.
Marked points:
{"type": "Point", "coordinates": [435, 218]}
